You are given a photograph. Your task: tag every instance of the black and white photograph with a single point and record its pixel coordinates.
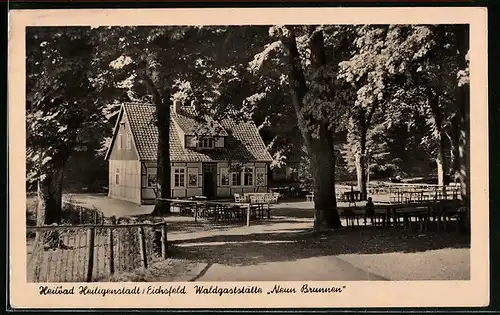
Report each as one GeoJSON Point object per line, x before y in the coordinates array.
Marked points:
{"type": "Point", "coordinates": [275, 152]}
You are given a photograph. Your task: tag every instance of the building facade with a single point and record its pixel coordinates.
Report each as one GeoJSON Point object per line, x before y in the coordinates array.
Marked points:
{"type": "Point", "coordinates": [208, 158]}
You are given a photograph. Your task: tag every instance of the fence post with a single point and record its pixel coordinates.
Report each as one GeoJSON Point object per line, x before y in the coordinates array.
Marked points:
{"type": "Point", "coordinates": [164, 244]}
{"type": "Point", "coordinates": [438, 216]}
{"type": "Point", "coordinates": [90, 262]}
{"type": "Point", "coordinates": [195, 213]}
{"type": "Point", "coordinates": [248, 215]}
{"type": "Point", "coordinates": [142, 247]}
{"type": "Point", "coordinates": [395, 219]}
{"type": "Point", "coordinates": [111, 252]}
{"type": "Point", "coordinates": [427, 218]}
{"type": "Point", "coordinates": [445, 218]}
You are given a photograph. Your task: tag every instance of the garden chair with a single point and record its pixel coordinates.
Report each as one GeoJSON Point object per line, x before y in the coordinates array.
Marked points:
{"type": "Point", "coordinates": [275, 197]}
{"type": "Point", "coordinates": [238, 198]}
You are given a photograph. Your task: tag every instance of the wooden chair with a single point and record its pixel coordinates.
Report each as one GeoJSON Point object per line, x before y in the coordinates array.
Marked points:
{"type": "Point", "coordinates": [275, 197]}
{"type": "Point", "coordinates": [238, 198]}
{"type": "Point", "coordinates": [310, 197]}
{"type": "Point", "coordinates": [236, 213]}
{"type": "Point", "coordinates": [253, 199]}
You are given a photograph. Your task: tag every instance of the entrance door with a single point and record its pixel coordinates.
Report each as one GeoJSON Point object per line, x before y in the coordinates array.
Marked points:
{"type": "Point", "coordinates": [210, 180]}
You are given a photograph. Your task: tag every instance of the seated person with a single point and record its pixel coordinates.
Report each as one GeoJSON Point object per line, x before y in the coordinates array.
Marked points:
{"type": "Point", "coordinates": [369, 210]}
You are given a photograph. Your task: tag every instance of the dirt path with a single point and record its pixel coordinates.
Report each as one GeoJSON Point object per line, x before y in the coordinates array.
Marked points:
{"type": "Point", "coordinates": [310, 269]}
{"type": "Point", "coordinates": [110, 207]}
{"type": "Point", "coordinates": [284, 248]}
{"type": "Point", "coordinates": [442, 264]}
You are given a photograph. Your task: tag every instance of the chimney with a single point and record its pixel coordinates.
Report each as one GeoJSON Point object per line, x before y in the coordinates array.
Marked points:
{"type": "Point", "coordinates": [176, 106]}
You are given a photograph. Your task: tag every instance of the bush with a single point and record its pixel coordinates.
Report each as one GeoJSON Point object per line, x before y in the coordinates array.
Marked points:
{"type": "Point", "coordinates": [71, 214]}
{"type": "Point", "coordinates": [31, 205]}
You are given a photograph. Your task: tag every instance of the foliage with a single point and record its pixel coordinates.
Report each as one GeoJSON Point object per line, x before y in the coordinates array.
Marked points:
{"type": "Point", "coordinates": [395, 85]}
{"type": "Point", "coordinates": [409, 72]}
{"type": "Point", "coordinates": [65, 97]}
{"type": "Point", "coordinates": [57, 63]}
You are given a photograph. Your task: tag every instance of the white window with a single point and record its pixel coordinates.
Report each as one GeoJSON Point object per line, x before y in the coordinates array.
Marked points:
{"type": "Point", "coordinates": [193, 177]}
{"type": "Point", "coordinates": [120, 143]}
{"type": "Point", "coordinates": [190, 141]}
{"type": "Point", "coordinates": [224, 176]}
{"type": "Point", "coordinates": [151, 177]}
{"type": "Point", "coordinates": [248, 176]}
{"type": "Point", "coordinates": [206, 143]}
{"type": "Point", "coordinates": [129, 141]}
{"type": "Point", "coordinates": [179, 177]}
{"type": "Point", "coordinates": [236, 179]}
{"type": "Point", "coordinates": [260, 176]}
{"type": "Point", "coordinates": [117, 176]}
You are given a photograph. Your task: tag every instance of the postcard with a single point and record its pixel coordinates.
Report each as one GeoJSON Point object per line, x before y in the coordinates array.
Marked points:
{"type": "Point", "coordinates": [248, 158]}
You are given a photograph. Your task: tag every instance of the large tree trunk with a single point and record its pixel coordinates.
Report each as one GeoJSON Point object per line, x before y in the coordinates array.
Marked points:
{"type": "Point", "coordinates": [455, 147]}
{"type": "Point", "coordinates": [360, 159]}
{"type": "Point", "coordinates": [441, 161]}
{"type": "Point", "coordinates": [464, 149]}
{"type": "Point", "coordinates": [320, 151]}
{"type": "Point", "coordinates": [163, 160]}
{"type": "Point", "coordinates": [49, 207]}
{"type": "Point", "coordinates": [442, 166]}
{"type": "Point", "coordinates": [50, 197]}
{"type": "Point", "coordinates": [163, 170]}
{"type": "Point", "coordinates": [463, 98]}
{"type": "Point", "coordinates": [333, 220]}
{"type": "Point", "coordinates": [323, 198]}
{"type": "Point", "coordinates": [322, 157]}
{"type": "Point", "coordinates": [362, 118]}
{"type": "Point", "coordinates": [361, 173]}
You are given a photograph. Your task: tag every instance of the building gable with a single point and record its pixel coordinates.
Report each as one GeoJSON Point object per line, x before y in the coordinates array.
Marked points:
{"type": "Point", "coordinates": [123, 145]}
{"type": "Point", "coordinates": [242, 139]}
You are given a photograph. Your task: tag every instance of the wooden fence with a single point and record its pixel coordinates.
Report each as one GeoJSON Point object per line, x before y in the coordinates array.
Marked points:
{"type": "Point", "coordinates": [423, 195]}
{"type": "Point", "coordinates": [441, 214]}
{"type": "Point", "coordinates": [375, 189]}
{"type": "Point", "coordinates": [86, 253]}
{"type": "Point", "coordinates": [75, 214]}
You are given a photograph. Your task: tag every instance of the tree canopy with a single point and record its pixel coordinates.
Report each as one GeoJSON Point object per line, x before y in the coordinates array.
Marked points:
{"type": "Point", "coordinates": [392, 97]}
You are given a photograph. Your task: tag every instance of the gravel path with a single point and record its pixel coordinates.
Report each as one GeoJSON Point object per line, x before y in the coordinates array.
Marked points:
{"type": "Point", "coordinates": [110, 207]}
{"type": "Point", "coordinates": [310, 269]}
{"type": "Point", "coordinates": [285, 249]}
{"type": "Point", "coordinates": [442, 264]}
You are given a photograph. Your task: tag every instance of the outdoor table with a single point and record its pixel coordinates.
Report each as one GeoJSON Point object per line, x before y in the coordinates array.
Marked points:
{"type": "Point", "coordinates": [222, 211]}
{"type": "Point", "coordinates": [351, 196]}
{"type": "Point", "coordinates": [198, 198]}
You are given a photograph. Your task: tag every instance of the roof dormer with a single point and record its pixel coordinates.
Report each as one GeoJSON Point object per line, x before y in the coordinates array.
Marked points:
{"type": "Point", "coordinates": [204, 142]}
{"type": "Point", "coordinates": [179, 106]}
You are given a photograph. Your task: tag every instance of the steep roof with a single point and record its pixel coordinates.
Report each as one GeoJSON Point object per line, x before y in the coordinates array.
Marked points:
{"type": "Point", "coordinates": [243, 142]}
{"type": "Point", "coordinates": [190, 125]}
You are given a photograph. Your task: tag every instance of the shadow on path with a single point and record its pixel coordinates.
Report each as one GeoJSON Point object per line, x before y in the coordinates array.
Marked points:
{"type": "Point", "coordinates": [256, 248]}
